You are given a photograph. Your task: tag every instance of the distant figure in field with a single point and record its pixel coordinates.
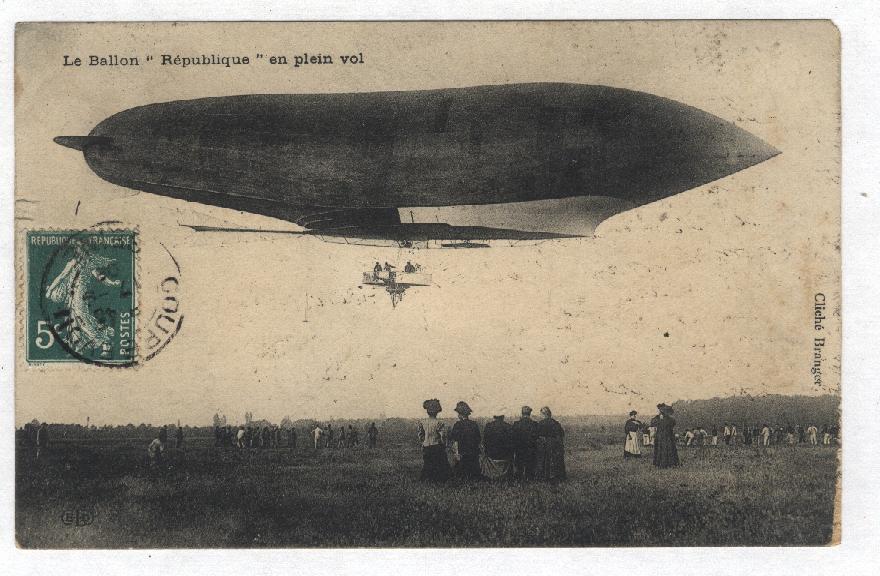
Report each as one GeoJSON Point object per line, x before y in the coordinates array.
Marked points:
{"type": "Point", "coordinates": [42, 439]}
{"type": "Point", "coordinates": [353, 436]}
{"type": "Point", "coordinates": [267, 437]}
{"type": "Point", "coordinates": [551, 448]}
{"type": "Point", "coordinates": [646, 435]}
{"type": "Point", "coordinates": [812, 431]}
{"type": "Point", "coordinates": [163, 435]}
{"type": "Point", "coordinates": [733, 433]}
{"type": "Point", "coordinates": [747, 435]}
{"type": "Point", "coordinates": [631, 436]}
{"type": "Point", "coordinates": [179, 438]}
{"type": "Point", "coordinates": [240, 438]}
{"type": "Point", "coordinates": [789, 434]}
{"type": "Point", "coordinates": [372, 435]}
{"type": "Point", "coordinates": [317, 433]}
{"type": "Point", "coordinates": [340, 442]}
{"type": "Point", "coordinates": [497, 463]}
{"type": "Point", "coordinates": [329, 434]}
{"type": "Point", "coordinates": [727, 434]}
{"type": "Point", "coordinates": [432, 436]}
{"type": "Point", "coordinates": [801, 434]}
{"type": "Point", "coordinates": [826, 435]}
{"type": "Point", "coordinates": [765, 435]}
{"type": "Point", "coordinates": [665, 451]}
{"type": "Point", "coordinates": [291, 438]}
{"type": "Point", "coordinates": [714, 434]}
{"type": "Point", "coordinates": [525, 445]}
{"type": "Point", "coordinates": [689, 437]}
{"type": "Point", "coordinates": [156, 451]}
{"type": "Point", "coordinates": [465, 439]}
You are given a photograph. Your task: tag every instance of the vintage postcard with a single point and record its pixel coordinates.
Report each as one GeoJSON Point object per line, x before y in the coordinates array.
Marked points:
{"type": "Point", "coordinates": [427, 284]}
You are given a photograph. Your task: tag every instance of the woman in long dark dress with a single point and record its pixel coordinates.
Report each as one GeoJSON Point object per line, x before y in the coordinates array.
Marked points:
{"type": "Point", "coordinates": [432, 435]}
{"type": "Point", "coordinates": [550, 463]}
{"type": "Point", "coordinates": [465, 439]}
{"type": "Point", "coordinates": [665, 452]}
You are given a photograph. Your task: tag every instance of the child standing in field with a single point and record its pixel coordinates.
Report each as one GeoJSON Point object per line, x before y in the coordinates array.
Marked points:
{"type": "Point", "coordinates": [432, 435]}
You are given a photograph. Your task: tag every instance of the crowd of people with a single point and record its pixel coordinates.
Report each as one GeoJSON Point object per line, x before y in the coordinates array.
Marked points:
{"type": "Point", "coordinates": [527, 449]}
{"type": "Point", "coordinates": [659, 433]}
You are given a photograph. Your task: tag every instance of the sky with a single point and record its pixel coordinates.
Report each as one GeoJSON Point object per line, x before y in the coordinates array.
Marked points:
{"type": "Point", "coordinates": [707, 293]}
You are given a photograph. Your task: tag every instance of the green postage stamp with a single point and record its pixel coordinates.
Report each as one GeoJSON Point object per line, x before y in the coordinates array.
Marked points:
{"type": "Point", "coordinates": [81, 296]}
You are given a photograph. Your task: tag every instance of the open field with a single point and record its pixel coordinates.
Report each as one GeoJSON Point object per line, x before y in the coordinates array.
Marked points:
{"type": "Point", "coordinates": [223, 497]}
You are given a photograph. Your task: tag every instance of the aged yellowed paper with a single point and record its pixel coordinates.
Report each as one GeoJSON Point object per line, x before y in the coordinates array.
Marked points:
{"type": "Point", "coordinates": [296, 284]}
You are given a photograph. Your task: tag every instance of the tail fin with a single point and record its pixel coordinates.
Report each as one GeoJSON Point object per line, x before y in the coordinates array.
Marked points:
{"type": "Point", "coordinates": [80, 142]}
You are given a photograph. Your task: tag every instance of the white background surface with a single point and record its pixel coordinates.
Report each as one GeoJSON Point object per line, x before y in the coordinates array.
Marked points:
{"type": "Point", "coordinates": [858, 22]}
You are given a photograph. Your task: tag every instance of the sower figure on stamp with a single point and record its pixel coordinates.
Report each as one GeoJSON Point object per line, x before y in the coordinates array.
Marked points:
{"type": "Point", "coordinates": [525, 445]}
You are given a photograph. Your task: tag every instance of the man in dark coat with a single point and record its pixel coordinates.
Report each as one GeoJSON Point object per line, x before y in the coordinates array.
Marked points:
{"type": "Point", "coordinates": [525, 444]}
{"type": "Point", "coordinates": [665, 452]}
{"type": "Point", "coordinates": [498, 446]}
{"type": "Point", "coordinates": [465, 436]}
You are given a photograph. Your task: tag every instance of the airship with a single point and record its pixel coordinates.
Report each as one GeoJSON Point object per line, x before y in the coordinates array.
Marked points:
{"type": "Point", "coordinates": [455, 167]}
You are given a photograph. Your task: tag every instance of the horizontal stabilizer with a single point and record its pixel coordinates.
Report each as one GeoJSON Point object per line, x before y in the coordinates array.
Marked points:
{"type": "Point", "coordinates": [253, 230]}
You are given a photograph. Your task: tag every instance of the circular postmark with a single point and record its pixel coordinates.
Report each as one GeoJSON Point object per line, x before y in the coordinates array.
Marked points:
{"type": "Point", "coordinates": [107, 296]}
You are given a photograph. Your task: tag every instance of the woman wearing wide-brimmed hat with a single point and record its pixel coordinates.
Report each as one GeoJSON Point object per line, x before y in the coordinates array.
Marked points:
{"type": "Point", "coordinates": [465, 437]}
{"type": "Point", "coordinates": [665, 452]}
{"type": "Point", "coordinates": [550, 463]}
{"type": "Point", "coordinates": [432, 435]}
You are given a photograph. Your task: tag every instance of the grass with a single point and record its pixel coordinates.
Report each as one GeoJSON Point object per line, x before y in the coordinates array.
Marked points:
{"type": "Point", "coordinates": [360, 498]}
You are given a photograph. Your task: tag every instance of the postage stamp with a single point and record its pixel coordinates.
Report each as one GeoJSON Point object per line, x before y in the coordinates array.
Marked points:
{"type": "Point", "coordinates": [81, 296]}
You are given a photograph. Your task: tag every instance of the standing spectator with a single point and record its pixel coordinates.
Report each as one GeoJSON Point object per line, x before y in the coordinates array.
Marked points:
{"type": "Point", "coordinates": [372, 434]}
{"type": "Point", "coordinates": [163, 435]}
{"type": "Point", "coordinates": [240, 437]}
{"type": "Point", "coordinates": [812, 431]}
{"type": "Point", "coordinates": [317, 433]}
{"type": "Point", "coordinates": [631, 436]}
{"type": "Point", "coordinates": [330, 440]}
{"type": "Point", "coordinates": [747, 435]}
{"type": "Point", "coordinates": [801, 434]}
{"type": "Point", "coordinates": [497, 463]}
{"type": "Point", "coordinates": [733, 434]}
{"type": "Point", "coordinates": [689, 437]}
{"type": "Point", "coordinates": [432, 436]}
{"type": "Point", "coordinates": [551, 449]}
{"type": "Point", "coordinates": [341, 441]}
{"type": "Point", "coordinates": [525, 444]}
{"type": "Point", "coordinates": [179, 437]}
{"type": "Point", "coordinates": [353, 436]}
{"type": "Point", "coordinates": [465, 439]}
{"type": "Point", "coordinates": [714, 434]}
{"type": "Point", "coordinates": [665, 451]}
{"type": "Point", "coordinates": [156, 451]}
{"type": "Point", "coordinates": [765, 435]}
{"type": "Point", "coordinates": [42, 439]}
{"type": "Point", "coordinates": [291, 438]}
{"type": "Point", "coordinates": [726, 432]}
